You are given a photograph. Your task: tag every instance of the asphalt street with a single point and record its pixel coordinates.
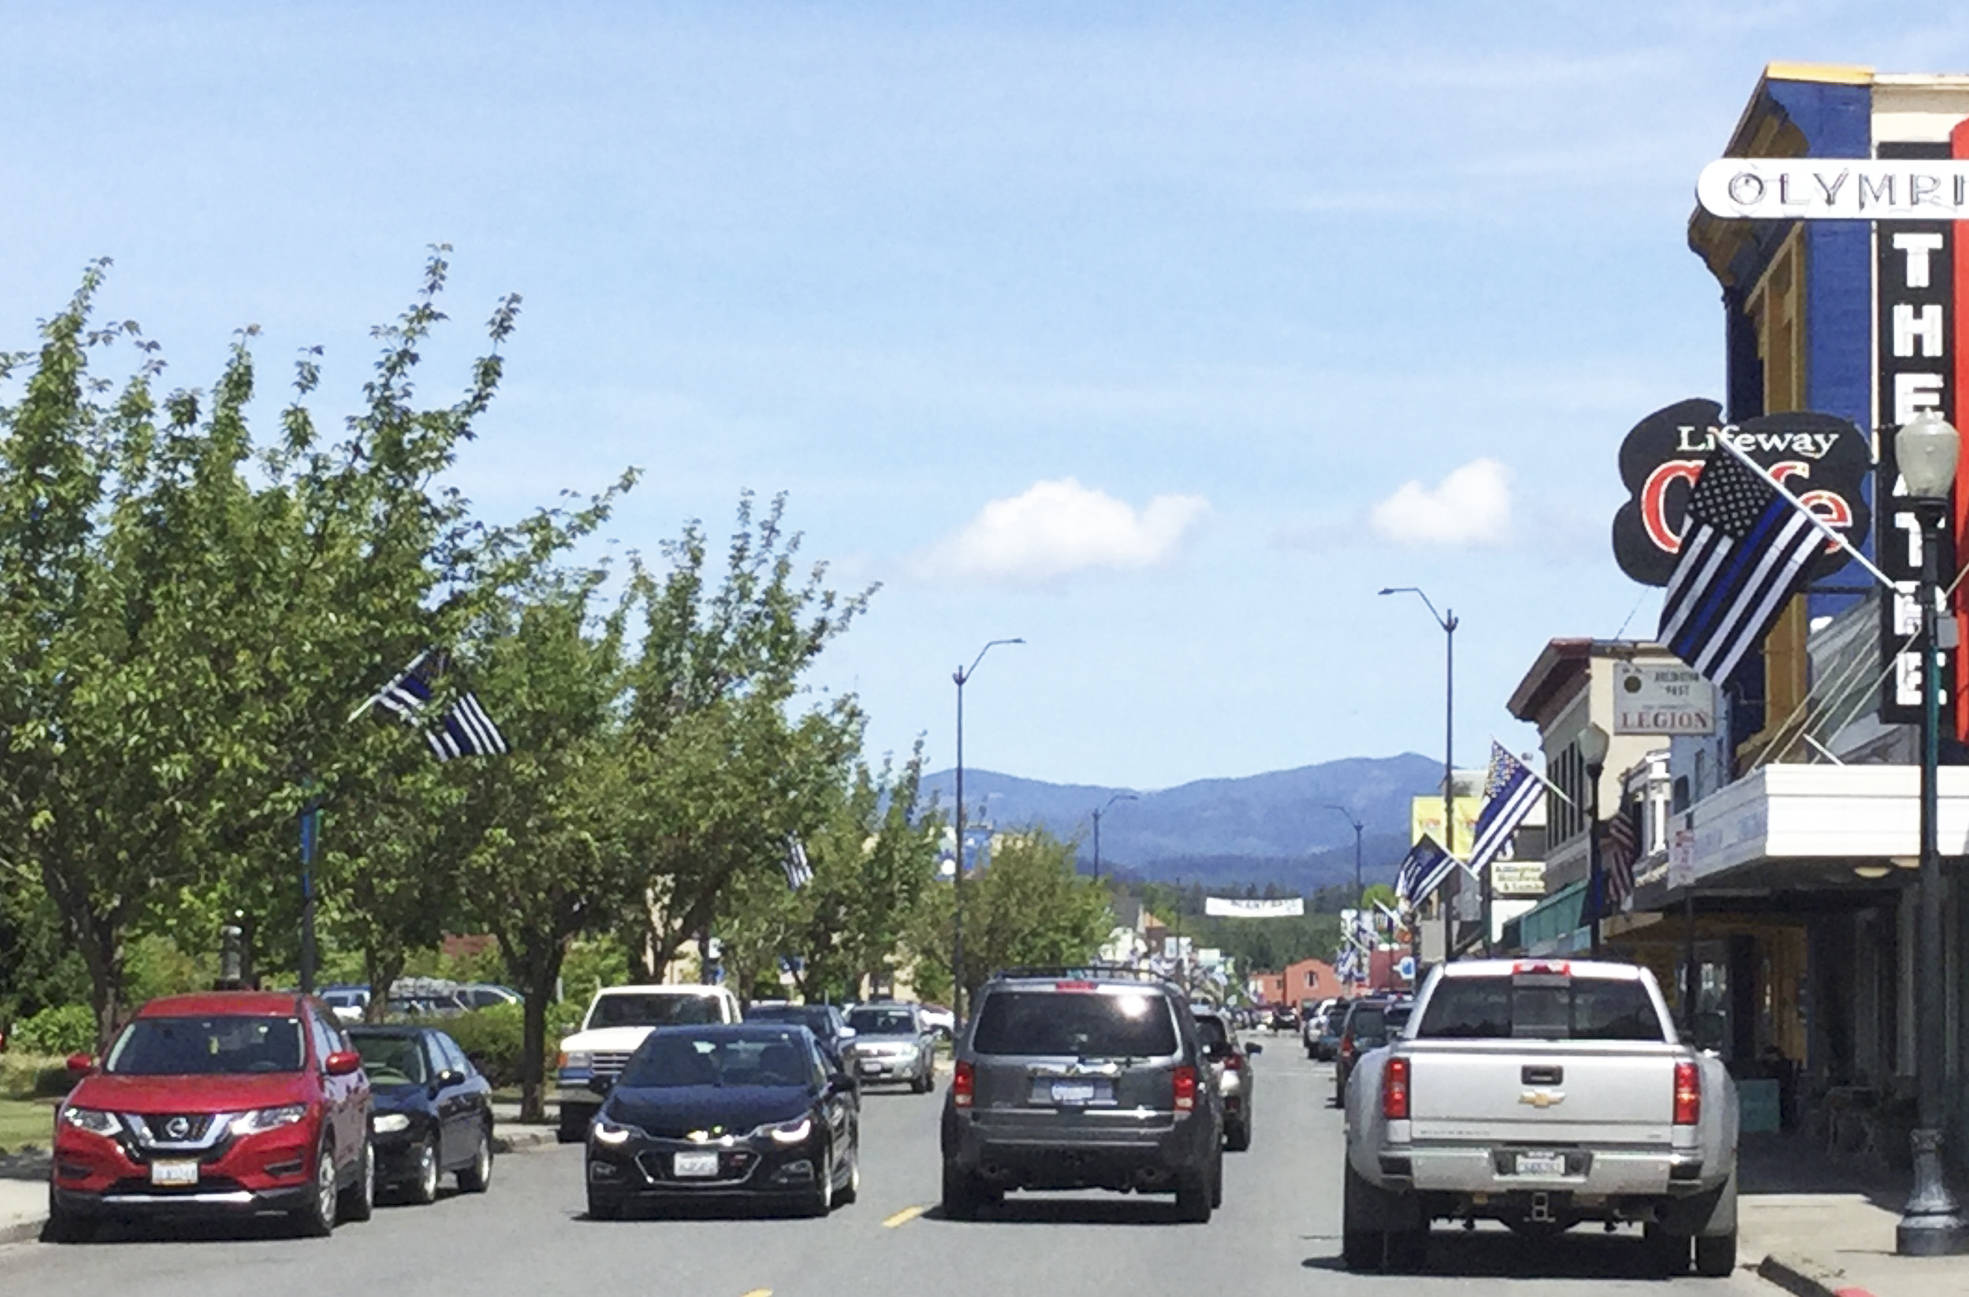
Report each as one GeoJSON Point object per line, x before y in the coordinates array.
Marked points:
{"type": "Point", "coordinates": [1277, 1233]}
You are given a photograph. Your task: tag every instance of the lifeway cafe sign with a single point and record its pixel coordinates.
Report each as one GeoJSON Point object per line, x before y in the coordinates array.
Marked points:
{"type": "Point", "coordinates": [1822, 459]}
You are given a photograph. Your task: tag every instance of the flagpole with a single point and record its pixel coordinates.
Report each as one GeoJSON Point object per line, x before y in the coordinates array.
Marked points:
{"type": "Point", "coordinates": [370, 701]}
{"type": "Point", "coordinates": [1824, 528]}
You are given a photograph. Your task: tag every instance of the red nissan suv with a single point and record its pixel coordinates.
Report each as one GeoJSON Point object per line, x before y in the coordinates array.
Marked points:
{"type": "Point", "coordinates": [234, 1101]}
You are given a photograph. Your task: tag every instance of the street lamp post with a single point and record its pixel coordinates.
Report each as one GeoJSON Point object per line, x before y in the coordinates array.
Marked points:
{"type": "Point", "coordinates": [961, 676]}
{"type": "Point", "coordinates": [1447, 620]}
{"type": "Point", "coordinates": [1099, 811]}
{"type": "Point", "coordinates": [1359, 889]}
{"type": "Point", "coordinates": [1925, 451]}
{"type": "Point", "coordinates": [1594, 743]}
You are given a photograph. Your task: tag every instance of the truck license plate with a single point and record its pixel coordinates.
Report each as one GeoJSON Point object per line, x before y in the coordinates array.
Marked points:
{"type": "Point", "coordinates": [694, 1166]}
{"type": "Point", "coordinates": [175, 1173]}
{"type": "Point", "coordinates": [1541, 1164]}
{"type": "Point", "coordinates": [1073, 1092]}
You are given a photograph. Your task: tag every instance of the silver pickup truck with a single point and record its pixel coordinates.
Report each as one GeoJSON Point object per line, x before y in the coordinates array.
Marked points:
{"type": "Point", "coordinates": [1541, 1093]}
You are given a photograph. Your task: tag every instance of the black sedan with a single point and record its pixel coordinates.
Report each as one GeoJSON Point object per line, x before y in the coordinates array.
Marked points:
{"type": "Point", "coordinates": [746, 1109]}
{"type": "Point", "coordinates": [433, 1111]}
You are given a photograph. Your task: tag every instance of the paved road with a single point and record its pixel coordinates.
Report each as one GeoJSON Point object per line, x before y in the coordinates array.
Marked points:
{"type": "Point", "coordinates": [1276, 1234]}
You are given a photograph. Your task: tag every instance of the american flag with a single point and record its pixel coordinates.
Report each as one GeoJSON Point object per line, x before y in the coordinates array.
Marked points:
{"type": "Point", "coordinates": [463, 729]}
{"type": "Point", "coordinates": [1619, 849]}
{"type": "Point", "coordinates": [1510, 794]}
{"type": "Point", "coordinates": [1745, 552]}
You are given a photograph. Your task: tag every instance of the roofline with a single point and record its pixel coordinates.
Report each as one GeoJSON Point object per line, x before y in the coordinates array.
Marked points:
{"type": "Point", "coordinates": [1564, 654]}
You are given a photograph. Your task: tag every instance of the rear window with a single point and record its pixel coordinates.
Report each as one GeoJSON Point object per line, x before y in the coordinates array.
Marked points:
{"type": "Point", "coordinates": [1211, 1031]}
{"type": "Point", "coordinates": [1541, 1008]}
{"type": "Point", "coordinates": [1127, 1024]}
{"type": "Point", "coordinates": [1365, 1022]}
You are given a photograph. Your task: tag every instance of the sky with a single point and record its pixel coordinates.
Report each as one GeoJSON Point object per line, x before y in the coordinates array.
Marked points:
{"type": "Point", "coordinates": [1161, 336]}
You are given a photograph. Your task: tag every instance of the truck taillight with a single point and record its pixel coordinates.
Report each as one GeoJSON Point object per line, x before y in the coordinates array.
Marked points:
{"type": "Point", "coordinates": [1394, 1090]}
{"type": "Point", "coordinates": [1346, 1046]}
{"type": "Point", "coordinates": [1688, 1094]}
{"type": "Point", "coordinates": [963, 1084]}
{"type": "Point", "coordinates": [1185, 1080]}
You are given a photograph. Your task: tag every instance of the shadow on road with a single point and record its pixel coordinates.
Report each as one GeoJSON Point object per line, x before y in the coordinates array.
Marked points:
{"type": "Point", "coordinates": [1497, 1254]}
{"type": "Point", "coordinates": [1073, 1211]}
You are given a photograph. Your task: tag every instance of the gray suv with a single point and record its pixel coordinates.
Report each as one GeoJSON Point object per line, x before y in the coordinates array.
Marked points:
{"type": "Point", "coordinates": [1082, 1078]}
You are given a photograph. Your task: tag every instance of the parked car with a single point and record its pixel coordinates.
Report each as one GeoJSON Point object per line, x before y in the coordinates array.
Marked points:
{"type": "Point", "coordinates": [230, 1102]}
{"type": "Point", "coordinates": [433, 1111]}
{"type": "Point", "coordinates": [617, 1020]}
{"type": "Point", "coordinates": [942, 1019]}
{"type": "Point", "coordinates": [826, 1021]}
{"type": "Point", "coordinates": [1369, 1024]}
{"type": "Point", "coordinates": [1541, 1094]}
{"type": "Point", "coordinates": [1081, 1079]}
{"type": "Point", "coordinates": [1230, 1065]}
{"type": "Point", "coordinates": [348, 1003]}
{"type": "Point", "coordinates": [750, 1109]}
{"type": "Point", "coordinates": [484, 995]}
{"type": "Point", "coordinates": [1284, 1018]}
{"type": "Point", "coordinates": [1322, 1031]}
{"type": "Point", "coordinates": [893, 1043]}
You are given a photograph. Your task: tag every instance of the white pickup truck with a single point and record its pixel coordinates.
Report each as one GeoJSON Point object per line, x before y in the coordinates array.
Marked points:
{"type": "Point", "coordinates": [1541, 1093]}
{"type": "Point", "coordinates": [617, 1020]}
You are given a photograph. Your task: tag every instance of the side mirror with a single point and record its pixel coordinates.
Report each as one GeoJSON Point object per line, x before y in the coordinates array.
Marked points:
{"type": "Point", "coordinates": [451, 1076]}
{"type": "Point", "coordinates": [80, 1065]}
{"type": "Point", "coordinates": [601, 1084]}
{"type": "Point", "coordinates": [848, 1033]}
{"type": "Point", "coordinates": [840, 1083]}
{"type": "Point", "coordinates": [1254, 1048]}
{"type": "Point", "coordinates": [343, 1062]}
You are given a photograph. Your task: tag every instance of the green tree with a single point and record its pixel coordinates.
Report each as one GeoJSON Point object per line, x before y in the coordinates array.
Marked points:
{"type": "Point", "coordinates": [1028, 905]}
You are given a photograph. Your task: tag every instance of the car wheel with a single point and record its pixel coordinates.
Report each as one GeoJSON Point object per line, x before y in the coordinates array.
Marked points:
{"type": "Point", "coordinates": [821, 1200]}
{"type": "Point", "coordinates": [1193, 1197]}
{"type": "Point", "coordinates": [1237, 1138]}
{"type": "Point", "coordinates": [1217, 1182]}
{"type": "Point", "coordinates": [476, 1177]}
{"type": "Point", "coordinates": [66, 1226]}
{"type": "Point", "coordinates": [852, 1189]}
{"type": "Point", "coordinates": [1716, 1254]}
{"type": "Point", "coordinates": [1408, 1249]}
{"type": "Point", "coordinates": [423, 1188]}
{"type": "Point", "coordinates": [316, 1219]}
{"type": "Point", "coordinates": [574, 1124]}
{"type": "Point", "coordinates": [1667, 1253]}
{"type": "Point", "coordinates": [358, 1201]}
{"type": "Point", "coordinates": [603, 1208]}
{"type": "Point", "coordinates": [1361, 1249]}
{"type": "Point", "coordinates": [960, 1193]}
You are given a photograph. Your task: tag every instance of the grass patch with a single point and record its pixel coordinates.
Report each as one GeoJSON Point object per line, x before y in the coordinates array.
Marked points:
{"type": "Point", "coordinates": [26, 1121]}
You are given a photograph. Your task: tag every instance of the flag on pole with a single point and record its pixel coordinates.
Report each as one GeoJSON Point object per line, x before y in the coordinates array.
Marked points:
{"type": "Point", "coordinates": [1619, 848]}
{"type": "Point", "coordinates": [1423, 870]}
{"type": "Point", "coordinates": [798, 872]}
{"type": "Point", "coordinates": [463, 729]}
{"type": "Point", "coordinates": [1510, 793]}
{"type": "Point", "coordinates": [1745, 552]}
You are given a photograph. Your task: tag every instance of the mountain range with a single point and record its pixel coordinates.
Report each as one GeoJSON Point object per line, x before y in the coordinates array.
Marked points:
{"type": "Point", "coordinates": [1275, 827]}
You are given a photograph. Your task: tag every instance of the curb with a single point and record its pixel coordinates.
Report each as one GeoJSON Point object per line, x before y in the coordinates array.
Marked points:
{"type": "Point", "coordinates": [524, 1139]}
{"type": "Point", "coordinates": [21, 1231]}
{"type": "Point", "coordinates": [1806, 1277]}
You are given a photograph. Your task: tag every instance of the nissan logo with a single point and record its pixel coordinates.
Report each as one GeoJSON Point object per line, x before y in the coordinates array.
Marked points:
{"type": "Point", "coordinates": [178, 1127]}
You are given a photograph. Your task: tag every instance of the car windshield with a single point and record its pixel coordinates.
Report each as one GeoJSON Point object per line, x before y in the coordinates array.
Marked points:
{"type": "Point", "coordinates": [627, 1009]}
{"type": "Point", "coordinates": [677, 1059]}
{"type": "Point", "coordinates": [1129, 1024]}
{"type": "Point", "coordinates": [882, 1022]}
{"type": "Point", "coordinates": [1541, 1007]}
{"type": "Point", "coordinates": [391, 1060]}
{"type": "Point", "coordinates": [812, 1018]}
{"type": "Point", "coordinates": [206, 1046]}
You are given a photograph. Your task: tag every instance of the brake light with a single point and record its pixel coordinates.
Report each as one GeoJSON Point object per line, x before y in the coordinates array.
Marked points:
{"type": "Point", "coordinates": [1560, 968]}
{"type": "Point", "coordinates": [1185, 1079]}
{"type": "Point", "coordinates": [1347, 1046]}
{"type": "Point", "coordinates": [1233, 1062]}
{"type": "Point", "coordinates": [1074, 986]}
{"type": "Point", "coordinates": [1688, 1094]}
{"type": "Point", "coordinates": [1394, 1090]}
{"type": "Point", "coordinates": [963, 1083]}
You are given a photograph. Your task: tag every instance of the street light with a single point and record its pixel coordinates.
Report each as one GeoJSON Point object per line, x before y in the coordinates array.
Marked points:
{"type": "Point", "coordinates": [1594, 743]}
{"type": "Point", "coordinates": [961, 676]}
{"type": "Point", "coordinates": [1358, 826]}
{"type": "Point", "coordinates": [1925, 451]}
{"type": "Point", "coordinates": [1447, 620]}
{"type": "Point", "coordinates": [1098, 813]}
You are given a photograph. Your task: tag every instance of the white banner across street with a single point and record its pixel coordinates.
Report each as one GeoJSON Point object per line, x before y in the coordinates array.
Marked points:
{"type": "Point", "coordinates": [1233, 908]}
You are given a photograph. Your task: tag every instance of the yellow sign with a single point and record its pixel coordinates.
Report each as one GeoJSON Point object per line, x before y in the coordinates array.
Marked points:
{"type": "Point", "coordinates": [1425, 815]}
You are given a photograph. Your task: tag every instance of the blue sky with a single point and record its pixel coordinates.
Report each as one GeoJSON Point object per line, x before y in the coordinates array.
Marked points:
{"type": "Point", "coordinates": [1122, 328]}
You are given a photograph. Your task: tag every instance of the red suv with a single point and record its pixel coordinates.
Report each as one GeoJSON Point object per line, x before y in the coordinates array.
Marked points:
{"type": "Point", "coordinates": [234, 1101]}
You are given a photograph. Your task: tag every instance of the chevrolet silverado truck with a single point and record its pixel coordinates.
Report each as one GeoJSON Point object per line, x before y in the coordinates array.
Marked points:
{"type": "Point", "coordinates": [1541, 1093]}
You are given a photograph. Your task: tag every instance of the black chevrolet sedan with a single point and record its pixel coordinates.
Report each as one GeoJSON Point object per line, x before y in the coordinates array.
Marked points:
{"type": "Point", "coordinates": [746, 1109]}
{"type": "Point", "coordinates": [433, 1111]}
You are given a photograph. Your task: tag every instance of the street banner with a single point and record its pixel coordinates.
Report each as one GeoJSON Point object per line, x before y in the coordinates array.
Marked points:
{"type": "Point", "coordinates": [1229, 907]}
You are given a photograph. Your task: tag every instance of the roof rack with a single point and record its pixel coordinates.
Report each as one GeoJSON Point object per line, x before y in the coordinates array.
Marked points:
{"type": "Point", "coordinates": [1086, 972]}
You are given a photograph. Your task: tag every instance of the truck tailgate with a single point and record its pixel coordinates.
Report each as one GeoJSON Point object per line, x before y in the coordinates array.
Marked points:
{"type": "Point", "coordinates": [1515, 1091]}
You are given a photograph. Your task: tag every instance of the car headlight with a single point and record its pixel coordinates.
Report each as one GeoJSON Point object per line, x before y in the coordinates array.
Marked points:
{"type": "Point", "coordinates": [611, 1132]}
{"type": "Point", "coordinates": [265, 1119]}
{"type": "Point", "coordinates": [93, 1120]}
{"type": "Point", "coordinates": [388, 1123]}
{"type": "Point", "coordinates": [788, 1132]}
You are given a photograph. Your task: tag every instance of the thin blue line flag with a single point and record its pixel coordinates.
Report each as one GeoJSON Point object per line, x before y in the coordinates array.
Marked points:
{"type": "Point", "coordinates": [463, 729]}
{"type": "Point", "coordinates": [1510, 793]}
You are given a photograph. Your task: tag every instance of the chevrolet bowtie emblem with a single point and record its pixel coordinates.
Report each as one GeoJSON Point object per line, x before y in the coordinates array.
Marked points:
{"type": "Point", "coordinates": [1542, 1099]}
{"type": "Point", "coordinates": [699, 1136]}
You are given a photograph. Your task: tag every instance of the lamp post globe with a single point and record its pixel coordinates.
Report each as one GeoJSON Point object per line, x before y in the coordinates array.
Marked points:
{"type": "Point", "coordinates": [1925, 451]}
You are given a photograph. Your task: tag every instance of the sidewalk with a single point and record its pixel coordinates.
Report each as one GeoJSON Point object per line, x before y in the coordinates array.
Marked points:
{"type": "Point", "coordinates": [1821, 1229]}
{"type": "Point", "coordinates": [24, 1176]}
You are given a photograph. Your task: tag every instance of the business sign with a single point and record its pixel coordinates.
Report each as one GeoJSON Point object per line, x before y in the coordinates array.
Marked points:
{"type": "Point", "coordinates": [1517, 878]}
{"type": "Point", "coordinates": [1662, 698]}
{"type": "Point", "coordinates": [1821, 458]}
{"type": "Point", "coordinates": [1425, 816]}
{"type": "Point", "coordinates": [1914, 371]}
{"type": "Point", "coordinates": [1897, 186]}
{"type": "Point", "coordinates": [1681, 859]}
{"type": "Point", "coordinates": [1229, 907]}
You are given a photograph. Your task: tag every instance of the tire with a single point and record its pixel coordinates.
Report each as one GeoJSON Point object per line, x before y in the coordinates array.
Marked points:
{"type": "Point", "coordinates": [820, 1201]}
{"type": "Point", "coordinates": [316, 1218]}
{"type": "Point", "coordinates": [1667, 1252]}
{"type": "Point", "coordinates": [1363, 1241]}
{"type": "Point", "coordinates": [1193, 1197]}
{"type": "Point", "coordinates": [1361, 1249]}
{"type": "Point", "coordinates": [1408, 1250]}
{"type": "Point", "coordinates": [602, 1208]}
{"type": "Point", "coordinates": [66, 1226]}
{"type": "Point", "coordinates": [574, 1124]}
{"type": "Point", "coordinates": [1217, 1182]}
{"type": "Point", "coordinates": [852, 1189]}
{"type": "Point", "coordinates": [921, 1084]}
{"type": "Point", "coordinates": [1237, 1138]}
{"type": "Point", "coordinates": [960, 1193]}
{"type": "Point", "coordinates": [1716, 1254]}
{"type": "Point", "coordinates": [358, 1201]}
{"type": "Point", "coordinates": [422, 1189]}
{"type": "Point", "coordinates": [477, 1177]}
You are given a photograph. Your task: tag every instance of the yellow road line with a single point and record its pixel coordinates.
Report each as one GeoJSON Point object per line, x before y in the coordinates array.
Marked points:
{"type": "Point", "coordinates": [760, 1292]}
{"type": "Point", "coordinates": [903, 1217]}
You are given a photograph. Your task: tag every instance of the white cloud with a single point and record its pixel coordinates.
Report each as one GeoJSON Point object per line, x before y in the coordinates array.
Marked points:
{"type": "Point", "coordinates": [1057, 527]}
{"type": "Point", "coordinates": [1472, 506]}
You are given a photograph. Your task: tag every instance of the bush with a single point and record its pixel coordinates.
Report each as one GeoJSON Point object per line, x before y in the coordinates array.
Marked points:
{"type": "Point", "coordinates": [32, 1076]}
{"type": "Point", "coordinates": [494, 1039]}
{"type": "Point", "coordinates": [57, 1029]}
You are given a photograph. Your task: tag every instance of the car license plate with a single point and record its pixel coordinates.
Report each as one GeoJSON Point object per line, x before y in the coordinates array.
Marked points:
{"type": "Point", "coordinates": [1069, 1092]}
{"type": "Point", "coordinates": [174, 1173]}
{"type": "Point", "coordinates": [1541, 1164]}
{"type": "Point", "coordinates": [694, 1166]}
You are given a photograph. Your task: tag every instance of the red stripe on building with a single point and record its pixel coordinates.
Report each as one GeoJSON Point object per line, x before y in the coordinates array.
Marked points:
{"type": "Point", "coordinates": [1959, 148]}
